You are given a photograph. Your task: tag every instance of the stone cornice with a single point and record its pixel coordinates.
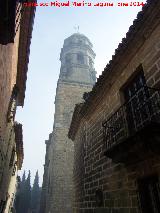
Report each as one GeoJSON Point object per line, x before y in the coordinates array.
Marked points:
{"type": "Point", "coordinates": [74, 83]}
{"type": "Point", "coordinates": [72, 65]}
{"type": "Point", "coordinates": [75, 46]}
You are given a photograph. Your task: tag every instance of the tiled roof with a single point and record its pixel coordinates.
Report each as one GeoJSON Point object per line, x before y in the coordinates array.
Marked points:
{"type": "Point", "coordinates": [26, 28]}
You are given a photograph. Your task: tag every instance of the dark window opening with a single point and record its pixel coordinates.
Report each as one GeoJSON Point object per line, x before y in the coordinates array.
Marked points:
{"type": "Point", "coordinates": [11, 13]}
{"type": "Point", "coordinates": [49, 185]}
{"type": "Point", "coordinates": [135, 84]}
{"type": "Point", "coordinates": [80, 58]}
{"type": "Point", "coordinates": [136, 95]}
{"type": "Point", "coordinates": [80, 42]}
{"type": "Point", "coordinates": [3, 205]}
{"type": "Point", "coordinates": [99, 197]}
{"type": "Point", "coordinates": [68, 59]}
{"type": "Point", "coordinates": [12, 158]}
{"type": "Point", "coordinates": [149, 194]}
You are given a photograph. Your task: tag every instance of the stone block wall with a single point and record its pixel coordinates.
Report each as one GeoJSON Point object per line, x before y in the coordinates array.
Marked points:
{"type": "Point", "coordinates": [76, 77]}
{"type": "Point", "coordinates": [92, 169]}
{"type": "Point", "coordinates": [59, 179]}
{"type": "Point", "coordinates": [8, 73]}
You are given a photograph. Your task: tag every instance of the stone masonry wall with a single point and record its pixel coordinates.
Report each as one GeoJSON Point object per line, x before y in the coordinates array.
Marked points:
{"type": "Point", "coordinates": [77, 75]}
{"type": "Point", "coordinates": [45, 190]}
{"type": "Point", "coordinates": [60, 175]}
{"type": "Point", "coordinates": [92, 170]}
{"type": "Point", "coordinates": [8, 73]}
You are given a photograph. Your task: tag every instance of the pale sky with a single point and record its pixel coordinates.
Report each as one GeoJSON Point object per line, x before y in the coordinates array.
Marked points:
{"type": "Point", "coordinates": [105, 27]}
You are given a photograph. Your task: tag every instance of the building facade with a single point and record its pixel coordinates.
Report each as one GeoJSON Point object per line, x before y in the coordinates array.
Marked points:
{"type": "Point", "coordinates": [77, 75]}
{"type": "Point", "coordinates": [116, 130]}
{"type": "Point", "coordinates": [45, 190]}
{"type": "Point", "coordinates": [16, 23]}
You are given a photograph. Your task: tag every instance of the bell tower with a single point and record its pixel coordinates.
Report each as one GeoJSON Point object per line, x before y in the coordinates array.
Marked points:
{"type": "Point", "coordinates": [77, 60]}
{"type": "Point", "coordinates": [77, 75]}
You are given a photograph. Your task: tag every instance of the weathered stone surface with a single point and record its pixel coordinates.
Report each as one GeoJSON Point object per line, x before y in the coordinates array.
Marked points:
{"type": "Point", "coordinates": [11, 56]}
{"type": "Point", "coordinates": [77, 75]}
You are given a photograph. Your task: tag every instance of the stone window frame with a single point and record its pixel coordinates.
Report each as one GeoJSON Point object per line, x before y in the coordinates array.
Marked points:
{"type": "Point", "coordinates": [80, 58]}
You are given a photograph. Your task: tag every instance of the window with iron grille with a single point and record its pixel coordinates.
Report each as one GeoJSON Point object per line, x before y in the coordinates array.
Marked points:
{"type": "Point", "coordinates": [135, 94]}
{"type": "Point", "coordinates": [141, 107]}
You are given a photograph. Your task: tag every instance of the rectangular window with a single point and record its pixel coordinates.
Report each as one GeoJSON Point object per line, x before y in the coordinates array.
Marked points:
{"type": "Point", "coordinates": [136, 98]}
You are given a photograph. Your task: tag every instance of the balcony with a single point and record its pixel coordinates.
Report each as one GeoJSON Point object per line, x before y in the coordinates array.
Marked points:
{"type": "Point", "coordinates": [10, 16]}
{"type": "Point", "coordinates": [133, 131]}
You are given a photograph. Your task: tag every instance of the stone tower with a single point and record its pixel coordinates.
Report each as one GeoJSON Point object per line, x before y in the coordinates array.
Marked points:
{"type": "Point", "coordinates": [77, 75]}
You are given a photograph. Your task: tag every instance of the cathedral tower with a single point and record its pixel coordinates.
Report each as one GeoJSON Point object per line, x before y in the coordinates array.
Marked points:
{"type": "Point", "coordinates": [77, 75]}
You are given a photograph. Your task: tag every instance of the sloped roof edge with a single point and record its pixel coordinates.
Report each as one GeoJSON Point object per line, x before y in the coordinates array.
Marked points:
{"type": "Point", "coordinates": [26, 29]}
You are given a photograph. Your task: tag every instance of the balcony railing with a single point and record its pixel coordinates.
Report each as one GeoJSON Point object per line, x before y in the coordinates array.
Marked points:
{"type": "Point", "coordinates": [141, 110]}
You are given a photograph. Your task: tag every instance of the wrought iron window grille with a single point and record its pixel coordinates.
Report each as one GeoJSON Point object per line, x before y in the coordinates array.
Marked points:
{"type": "Point", "coordinates": [132, 116]}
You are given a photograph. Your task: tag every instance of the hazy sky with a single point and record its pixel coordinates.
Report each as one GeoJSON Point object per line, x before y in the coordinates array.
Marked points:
{"type": "Point", "coordinates": [105, 27]}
